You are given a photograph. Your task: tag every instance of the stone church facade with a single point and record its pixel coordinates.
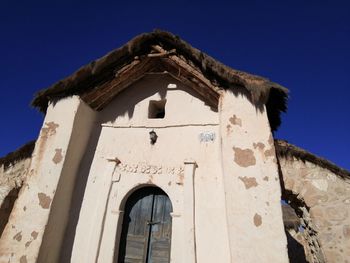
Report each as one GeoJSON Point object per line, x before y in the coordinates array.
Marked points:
{"type": "Point", "coordinates": [156, 152]}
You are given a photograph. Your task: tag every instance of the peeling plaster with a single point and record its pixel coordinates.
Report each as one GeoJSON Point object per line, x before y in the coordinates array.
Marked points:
{"type": "Point", "coordinates": [270, 152]}
{"type": "Point", "coordinates": [23, 259]}
{"type": "Point", "coordinates": [257, 220]}
{"type": "Point", "coordinates": [46, 132]}
{"type": "Point", "coordinates": [34, 234]}
{"type": "Point", "coordinates": [50, 129]}
{"type": "Point", "coordinates": [180, 179]}
{"type": "Point", "coordinates": [28, 243]}
{"type": "Point", "coordinates": [58, 156]}
{"type": "Point", "coordinates": [259, 146]}
{"type": "Point", "coordinates": [249, 182]}
{"type": "Point", "coordinates": [235, 121]}
{"type": "Point", "coordinates": [244, 157]}
{"type": "Point", "coordinates": [44, 200]}
{"type": "Point", "coordinates": [18, 236]}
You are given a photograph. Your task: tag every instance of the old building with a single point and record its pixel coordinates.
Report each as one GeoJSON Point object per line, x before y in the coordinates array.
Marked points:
{"type": "Point", "coordinates": [158, 153]}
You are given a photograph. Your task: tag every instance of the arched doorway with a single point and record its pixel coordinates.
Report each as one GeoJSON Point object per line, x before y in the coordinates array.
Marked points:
{"type": "Point", "coordinates": [146, 228]}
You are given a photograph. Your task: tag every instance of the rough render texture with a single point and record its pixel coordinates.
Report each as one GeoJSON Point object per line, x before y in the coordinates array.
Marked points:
{"type": "Point", "coordinates": [295, 174]}
{"type": "Point", "coordinates": [11, 180]}
{"type": "Point", "coordinates": [24, 233]}
{"type": "Point", "coordinates": [13, 177]}
{"type": "Point", "coordinates": [322, 199]}
{"type": "Point", "coordinates": [324, 196]}
{"type": "Point", "coordinates": [76, 142]}
{"type": "Point", "coordinates": [69, 156]}
{"type": "Point", "coordinates": [251, 182]}
{"type": "Point", "coordinates": [129, 112]}
{"type": "Point", "coordinates": [161, 164]}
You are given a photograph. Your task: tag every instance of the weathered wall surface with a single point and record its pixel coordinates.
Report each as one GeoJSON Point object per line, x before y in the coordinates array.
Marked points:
{"type": "Point", "coordinates": [12, 177]}
{"type": "Point", "coordinates": [235, 164]}
{"type": "Point", "coordinates": [125, 135]}
{"type": "Point", "coordinates": [326, 211]}
{"type": "Point", "coordinates": [220, 174]}
{"type": "Point", "coordinates": [11, 180]}
{"type": "Point", "coordinates": [23, 235]}
{"type": "Point", "coordinates": [251, 182]}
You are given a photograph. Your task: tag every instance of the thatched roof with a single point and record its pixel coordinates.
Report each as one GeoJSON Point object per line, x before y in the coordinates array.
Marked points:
{"type": "Point", "coordinates": [21, 153]}
{"type": "Point", "coordinates": [287, 150]}
{"type": "Point", "coordinates": [259, 90]}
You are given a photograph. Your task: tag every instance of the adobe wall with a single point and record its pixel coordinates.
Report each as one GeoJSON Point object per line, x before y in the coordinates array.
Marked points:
{"type": "Point", "coordinates": [219, 172]}
{"type": "Point", "coordinates": [252, 187]}
{"type": "Point", "coordinates": [236, 195]}
{"type": "Point", "coordinates": [322, 198]}
{"type": "Point", "coordinates": [188, 133]}
{"type": "Point", "coordinates": [42, 207]}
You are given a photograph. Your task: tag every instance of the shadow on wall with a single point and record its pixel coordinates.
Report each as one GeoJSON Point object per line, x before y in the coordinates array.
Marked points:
{"type": "Point", "coordinates": [124, 108]}
{"type": "Point", "coordinates": [6, 208]}
{"type": "Point", "coordinates": [296, 251]}
{"type": "Point", "coordinates": [78, 195]}
{"type": "Point", "coordinates": [294, 231]}
{"type": "Point", "coordinates": [128, 98]}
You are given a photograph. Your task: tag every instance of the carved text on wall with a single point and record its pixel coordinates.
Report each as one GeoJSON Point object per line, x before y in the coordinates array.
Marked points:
{"type": "Point", "coordinates": [150, 169]}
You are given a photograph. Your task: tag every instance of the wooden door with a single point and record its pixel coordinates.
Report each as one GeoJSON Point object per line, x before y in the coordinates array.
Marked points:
{"type": "Point", "coordinates": [146, 228]}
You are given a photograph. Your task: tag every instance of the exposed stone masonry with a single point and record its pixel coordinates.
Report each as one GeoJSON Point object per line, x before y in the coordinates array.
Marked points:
{"type": "Point", "coordinates": [12, 177]}
{"type": "Point", "coordinates": [11, 180]}
{"type": "Point", "coordinates": [323, 203]}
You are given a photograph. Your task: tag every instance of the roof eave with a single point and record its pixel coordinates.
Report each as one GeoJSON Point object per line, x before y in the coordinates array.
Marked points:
{"type": "Point", "coordinates": [103, 69]}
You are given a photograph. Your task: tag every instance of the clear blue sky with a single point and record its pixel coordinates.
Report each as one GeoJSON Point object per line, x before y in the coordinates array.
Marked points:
{"type": "Point", "coordinates": [303, 45]}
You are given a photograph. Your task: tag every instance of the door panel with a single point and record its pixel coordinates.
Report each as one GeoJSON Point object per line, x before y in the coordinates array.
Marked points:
{"type": "Point", "coordinates": [135, 232]}
{"type": "Point", "coordinates": [146, 229]}
{"type": "Point", "coordinates": [159, 248]}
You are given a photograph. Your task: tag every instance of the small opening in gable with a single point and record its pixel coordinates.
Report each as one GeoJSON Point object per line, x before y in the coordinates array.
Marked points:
{"type": "Point", "coordinates": [156, 109]}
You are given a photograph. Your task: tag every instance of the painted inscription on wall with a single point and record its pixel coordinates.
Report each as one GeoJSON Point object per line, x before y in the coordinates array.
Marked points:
{"type": "Point", "coordinates": [150, 169]}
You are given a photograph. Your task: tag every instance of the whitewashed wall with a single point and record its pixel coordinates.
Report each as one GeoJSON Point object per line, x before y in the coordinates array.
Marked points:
{"type": "Point", "coordinates": [125, 135]}
{"type": "Point", "coordinates": [218, 168]}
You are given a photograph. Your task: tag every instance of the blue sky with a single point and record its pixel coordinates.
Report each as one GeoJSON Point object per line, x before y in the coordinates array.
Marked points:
{"type": "Point", "coordinates": [303, 45]}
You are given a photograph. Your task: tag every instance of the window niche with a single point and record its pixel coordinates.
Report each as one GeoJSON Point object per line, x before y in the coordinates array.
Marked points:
{"type": "Point", "coordinates": [156, 109]}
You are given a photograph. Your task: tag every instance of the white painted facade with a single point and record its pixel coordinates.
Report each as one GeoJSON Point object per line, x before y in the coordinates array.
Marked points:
{"type": "Point", "coordinates": [225, 208]}
{"type": "Point", "coordinates": [214, 157]}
